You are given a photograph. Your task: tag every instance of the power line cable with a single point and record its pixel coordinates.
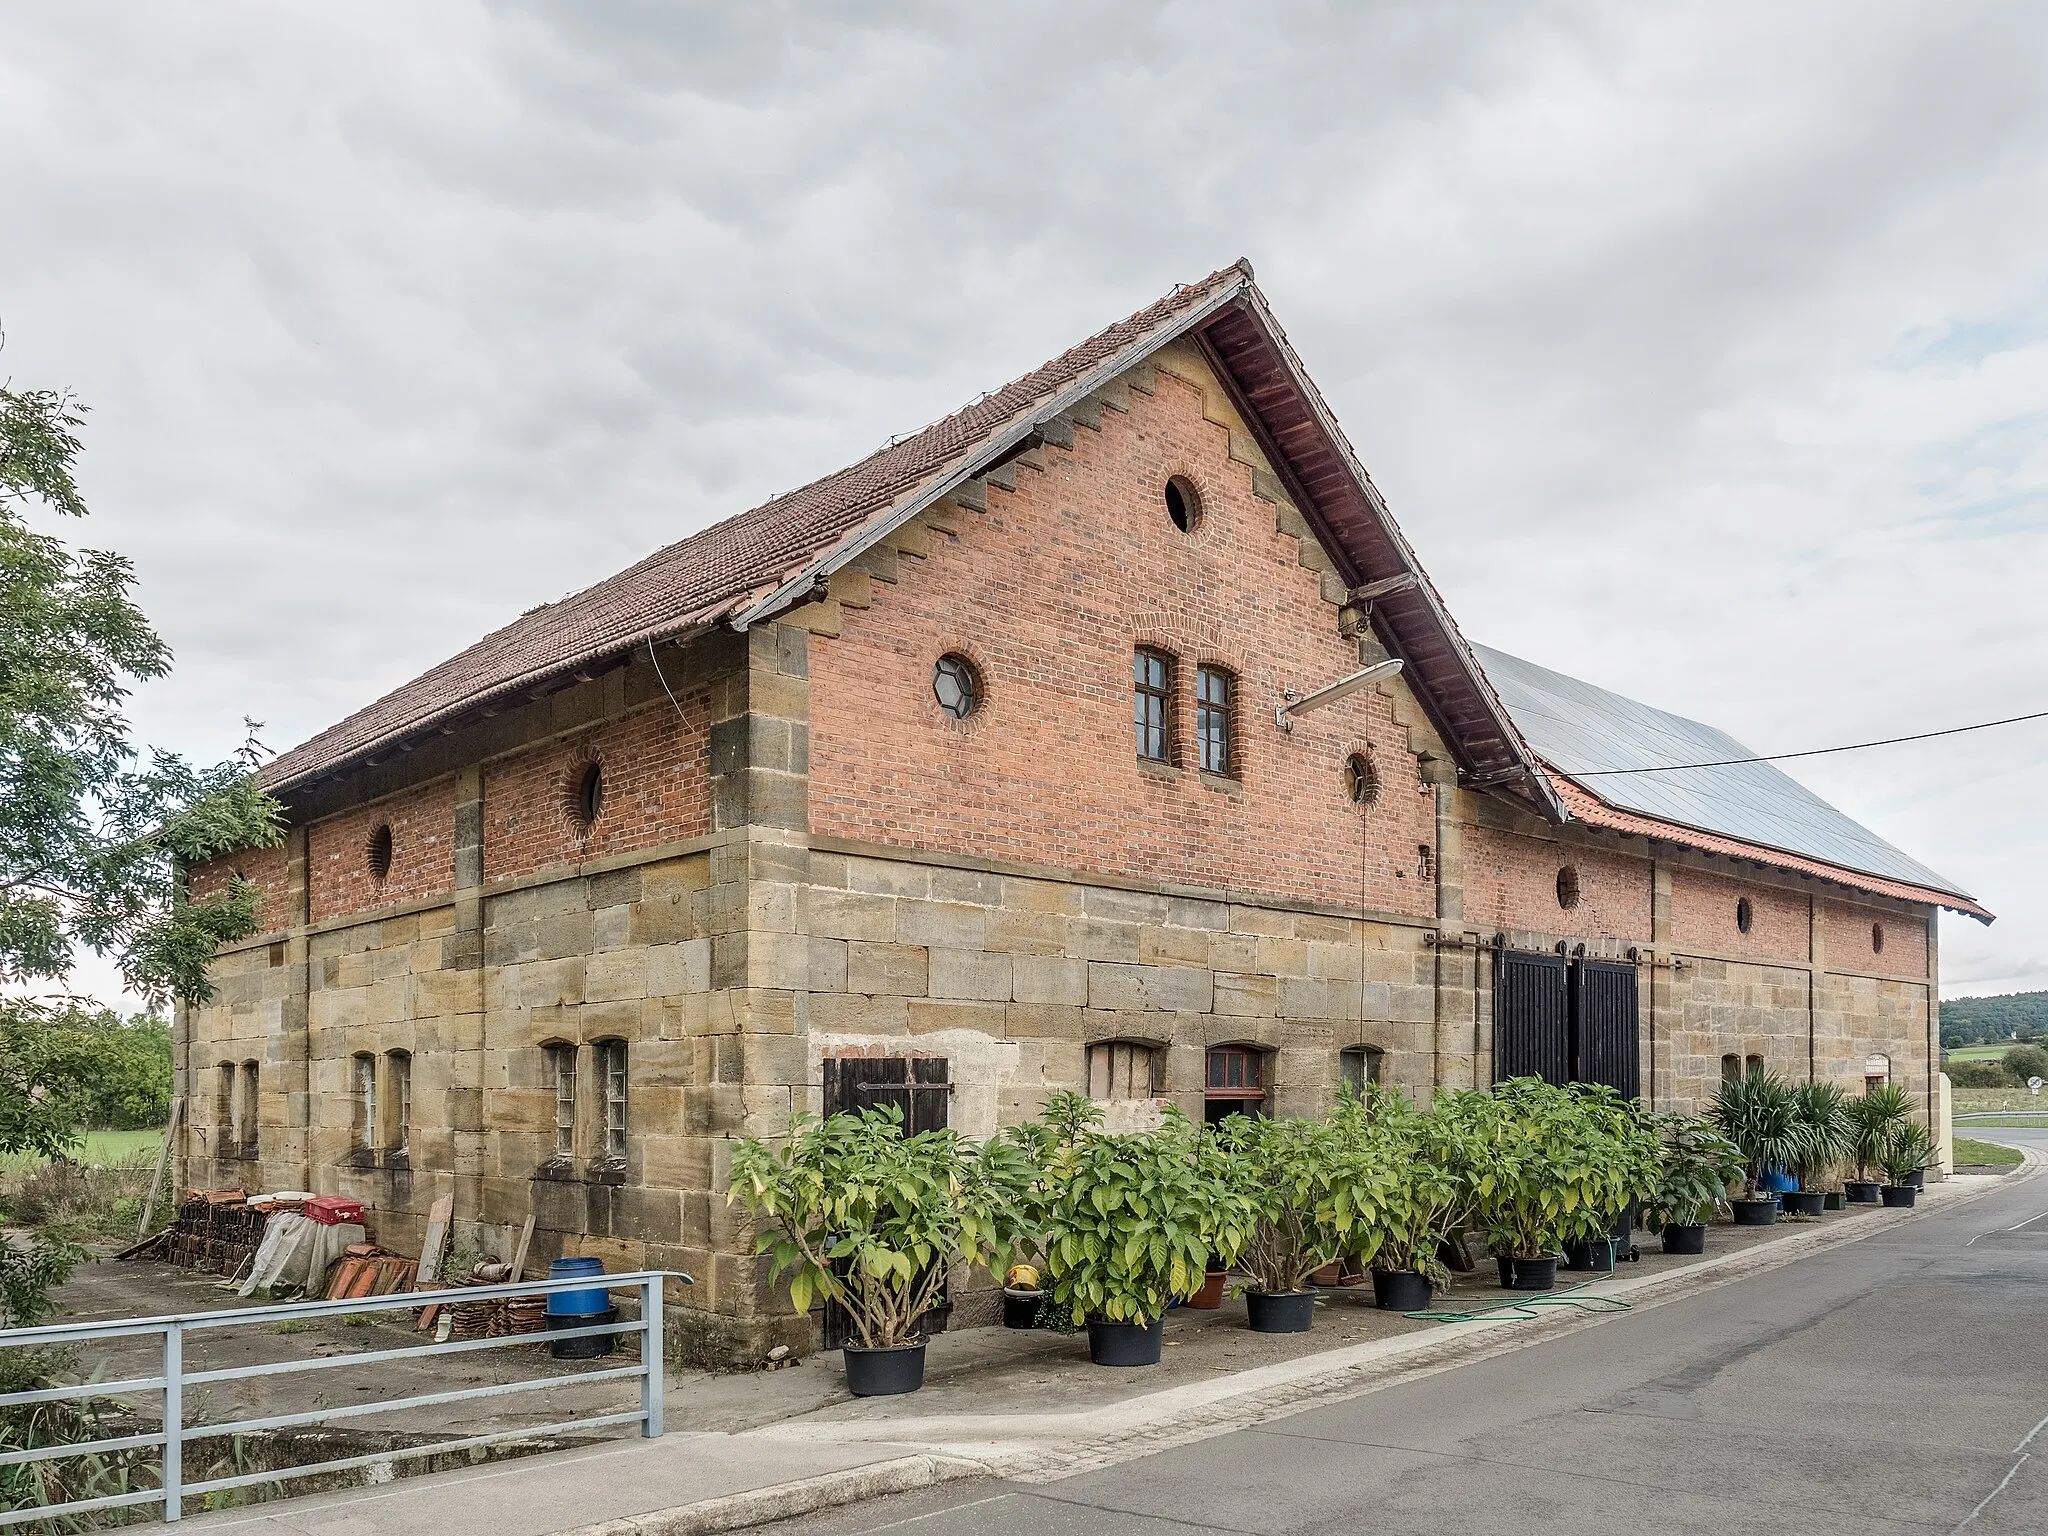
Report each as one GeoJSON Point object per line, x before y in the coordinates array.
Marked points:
{"type": "Point", "coordinates": [1779, 757]}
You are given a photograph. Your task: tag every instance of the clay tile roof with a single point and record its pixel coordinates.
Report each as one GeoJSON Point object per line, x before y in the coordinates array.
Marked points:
{"type": "Point", "coordinates": [713, 574]}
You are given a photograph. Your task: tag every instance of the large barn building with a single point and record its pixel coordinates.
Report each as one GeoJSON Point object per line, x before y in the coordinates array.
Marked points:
{"type": "Point", "coordinates": [992, 766]}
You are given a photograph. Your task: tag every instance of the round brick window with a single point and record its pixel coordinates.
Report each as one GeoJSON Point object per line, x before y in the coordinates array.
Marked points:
{"type": "Point", "coordinates": [1361, 779]}
{"type": "Point", "coordinates": [956, 685]}
{"type": "Point", "coordinates": [1183, 503]}
{"type": "Point", "coordinates": [584, 799]}
{"type": "Point", "coordinates": [377, 852]}
{"type": "Point", "coordinates": [1877, 938]}
{"type": "Point", "coordinates": [1568, 887]}
{"type": "Point", "coordinates": [1745, 915]}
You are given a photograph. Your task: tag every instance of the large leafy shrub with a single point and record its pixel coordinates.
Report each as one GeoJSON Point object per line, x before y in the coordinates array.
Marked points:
{"type": "Point", "coordinates": [1134, 1220]}
{"type": "Point", "coordinates": [1559, 1164]}
{"type": "Point", "coordinates": [1439, 1154]}
{"type": "Point", "coordinates": [1317, 1189]}
{"type": "Point", "coordinates": [855, 1210]}
{"type": "Point", "coordinates": [1695, 1167]}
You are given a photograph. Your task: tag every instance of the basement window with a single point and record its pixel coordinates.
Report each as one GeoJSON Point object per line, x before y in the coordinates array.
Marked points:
{"type": "Point", "coordinates": [956, 685]}
{"type": "Point", "coordinates": [1183, 503]}
{"type": "Point", "coordinates": [562, 1073]}
{"type": "Point", "coordinates": [1123, 1069]}
{"type": "Point", "coordinates": [1745, 915]}
{"type": "Point", "coordinates": [1236, 1083]}
{"type": "Point", "coordinates": [377, 853]}
{"type": "Point", "coordinates": [611, 1066]}
{"type": "Point", "coordinates": [1360, 1064]}
{"type": "Point", "coordinates": [1568, 887]}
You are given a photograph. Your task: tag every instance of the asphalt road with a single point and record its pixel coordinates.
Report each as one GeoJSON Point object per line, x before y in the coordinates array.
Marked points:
{"type": "Point", "coordinates": [1897, 1384]}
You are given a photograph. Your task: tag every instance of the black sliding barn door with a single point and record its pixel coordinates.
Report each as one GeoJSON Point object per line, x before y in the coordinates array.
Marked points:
{"type": "Point", "coordinates": [1532, 1016]}
{"type": "Point", "coordinates": [1566, 1021]}
{"type": "Point", "coordinates": [1605, 1030]}
{"type": "Point", "coordinates": [918, 1086]}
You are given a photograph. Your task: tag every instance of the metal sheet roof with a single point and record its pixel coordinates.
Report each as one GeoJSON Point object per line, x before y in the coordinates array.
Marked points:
{"type": "Point", "coordinates": [1580, 729]}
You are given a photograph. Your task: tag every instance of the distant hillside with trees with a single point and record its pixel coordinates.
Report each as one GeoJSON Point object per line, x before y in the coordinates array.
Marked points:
{"type": "Point", "coordinates": [1973, 1020]}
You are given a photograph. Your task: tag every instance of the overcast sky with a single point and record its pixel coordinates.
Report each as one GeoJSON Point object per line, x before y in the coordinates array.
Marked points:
{"type": "Point", "coordinates": [1701, 351]}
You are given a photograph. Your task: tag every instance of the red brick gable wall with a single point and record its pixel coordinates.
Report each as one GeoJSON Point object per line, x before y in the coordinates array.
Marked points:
{"type": "Point", "coordinates": [1511, 882]}
{"type": "Point", "coordinates": [1047, 593]}
{"type": "Point", "coordinates": [1846, 930]}
{"type": "Point", "coordinates": [657, 789]}
{"type": "Point", "coordinates": [1703, 918]}
{"type": "Point", "coordinates": [339, 879]}
{"type": "Point", "coordinates": [268, 869]}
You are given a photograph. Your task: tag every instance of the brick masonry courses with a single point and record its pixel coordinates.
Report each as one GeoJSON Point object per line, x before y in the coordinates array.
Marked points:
{"type": "Point", "coordinates": [802, 857]}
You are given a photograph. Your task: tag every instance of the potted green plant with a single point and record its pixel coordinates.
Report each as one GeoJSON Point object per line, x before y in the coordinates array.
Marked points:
{"type": "Point", "coordinates": [1434, 1153]}
{"type": "Point", "coordinates": [1757, 1113]}
{"type": "Point", "coordinates": [1548, 1173]}
{"type": "Point", "coordinates": [1824, 1133]}
{"type": "Point", "coordinates": [854, 1210]}
{"type": "Point", "coordinates": [1907, 1151]}
{"type": "Point", "coordinates": [1317, 1189]}
{"type": "Point", "coordinates": [1695, 1167]}
{"type": "Point", "coordinates": [1132, 1223]}
{"type": "Point", "coordinates": [1871, 1119]}
{"type": "Point", "coordinates": [1622, 1142]}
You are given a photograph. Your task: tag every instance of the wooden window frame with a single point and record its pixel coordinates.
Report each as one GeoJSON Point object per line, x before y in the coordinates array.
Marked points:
{"type": "Point", "coordinates": [1216, 721]}
{"type": "Point", "coordinates": [614, 1098]}
{"type": "Point", "coordinates": [1160, 696]}
{"type": "Point", "coordinates": [1246, 1096]}
{"type": "Point", "coordinates": [561, 1082]}
{"type": "Point", "coordinates": [1102, 1060]}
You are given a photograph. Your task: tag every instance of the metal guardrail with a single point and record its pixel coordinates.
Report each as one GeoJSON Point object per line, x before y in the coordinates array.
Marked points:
{"type": "Point", "coordinates": [175, 1434]}
{"type": "Point", "coordinates": [1999, 1114]}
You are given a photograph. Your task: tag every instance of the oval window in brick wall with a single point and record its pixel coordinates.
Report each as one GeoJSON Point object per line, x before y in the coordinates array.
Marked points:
{"type": "Point", "coordinates": [1183, 503]}
{"type": "Point", "coordinates": [1361, 779]}
{"type": "Point", "coordinates": [584, 800]}
{"type": "Point", "coordinates": [1745, 915]}
{"type": "Point", "coordinates": [377, 853]}
{"type": "Point", "coordinates": [956, 685]}
{"type": "Point", "coordinates": [1877, 938]}
{"type": "Point", "coordinates": [1568, 887]}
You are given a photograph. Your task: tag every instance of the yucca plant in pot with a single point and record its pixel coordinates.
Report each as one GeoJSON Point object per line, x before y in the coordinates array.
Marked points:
{"type": "Point", "coordinates": [1907, 1151]}
{"type": "Point", "coordinates": [1757, 1113]}
{"type": "Point", "coordinates": [1317, 1190]}
{"type": "Point", "coordinates": [853, 1209]}
{"type": "Point", "coordinates": [1871, 1119]}
{"type": "Point", "coordinates": [1436, 1154]}
{"type": "Point", "coordinates": [1823, 1132]}
{"type": "Point", "coordinates": [1132, 1225]}
{"type": "Point", "coordinates": [1695, 1167]}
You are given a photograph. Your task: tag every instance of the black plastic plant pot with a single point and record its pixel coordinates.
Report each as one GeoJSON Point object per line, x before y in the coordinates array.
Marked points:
{"type": "Point", "coordinates": [1802, 1202]}
{"type": "Point", "coordinates": [1900, 1196]}
{"type": "Point", "coordinates": [1126, 1343]}
{"type": "Point", "coordinates": [884, 1372]}
{"type": "Point", "coordinates": [1834, 1200]}
{"type": "Point", "coordinates": [1862, 1192]}
{"type": "Point", "coordinates": [1280, 1311]}
{"type": "Point", "coordinates": [1755, 1213]}
{"type": "Point", "coordinates": [1401, 1290]}
{"type": "Point", "coordinates": [1688, 1237]}
{"type": "Point", "coordinates": [592, 1347]}
{"type": "Point", "coordinates": [1020, 1308]}
{"type": "Point", "coordinates": [1507, 1272]}
{"type": "Point", "coordinates": [1917, 1179]}
{"type": "Point", "coordinates": [1597, 1256]}
{"type": "Point", "coordinates": [1536, 1274]}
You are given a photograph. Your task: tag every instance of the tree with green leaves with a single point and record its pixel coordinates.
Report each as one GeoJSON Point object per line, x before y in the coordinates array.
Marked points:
{"type": "Point", "coordinates": [94, 834]}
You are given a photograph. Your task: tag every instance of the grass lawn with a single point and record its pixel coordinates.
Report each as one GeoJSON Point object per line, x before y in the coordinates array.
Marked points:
{"type": "Point", "coordinates": [102, 1147]}
{"type": "Point", "coordinates": [1985, 1154]}
{"type": "Point", "coordinates": [1993, 1052]}
{"type": "Point", "coordinates": [1969, 1101]}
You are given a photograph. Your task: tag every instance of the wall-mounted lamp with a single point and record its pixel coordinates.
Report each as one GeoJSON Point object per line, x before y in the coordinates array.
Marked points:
{"type": "Point", "coordinates": [1284, 712]}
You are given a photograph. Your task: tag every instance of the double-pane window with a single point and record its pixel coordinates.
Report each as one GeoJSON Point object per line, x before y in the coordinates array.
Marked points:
{"type": "Point", "coordinates": [1152, 704]}
{"type": "Point", "coordinates": [1212, 718]}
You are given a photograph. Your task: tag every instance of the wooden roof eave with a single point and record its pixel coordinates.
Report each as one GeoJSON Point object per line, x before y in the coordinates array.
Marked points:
{"type": "Point", "coordinates": [1414, 625]}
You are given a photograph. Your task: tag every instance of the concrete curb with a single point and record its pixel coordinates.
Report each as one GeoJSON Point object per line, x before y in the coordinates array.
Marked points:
{"type": "Point", "coordinates": [1063, 1445]}
{"type": "Point", "coordinates": [785, 1501]}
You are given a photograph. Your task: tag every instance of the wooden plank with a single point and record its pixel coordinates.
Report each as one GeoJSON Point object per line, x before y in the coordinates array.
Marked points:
{"type": "Point", "coordinates": [163, 1155]}
{"type": "Point", "coordinates": [518, 1270]}
{"type": "Point", "coordinates": [438, 1216]}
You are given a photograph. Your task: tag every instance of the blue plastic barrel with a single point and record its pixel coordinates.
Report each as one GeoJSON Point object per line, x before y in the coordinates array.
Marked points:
{"type": "Point", "coordinates": [577, 1303]}
{"type": "Point", "coordinates": [1776, 1181]}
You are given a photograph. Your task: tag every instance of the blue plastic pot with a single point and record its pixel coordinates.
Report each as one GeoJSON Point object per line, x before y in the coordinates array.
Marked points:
{"type": "Point", "coordinates": [577, 1303]}
{"type": "Point", "coordinates": [1776, 1181]}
